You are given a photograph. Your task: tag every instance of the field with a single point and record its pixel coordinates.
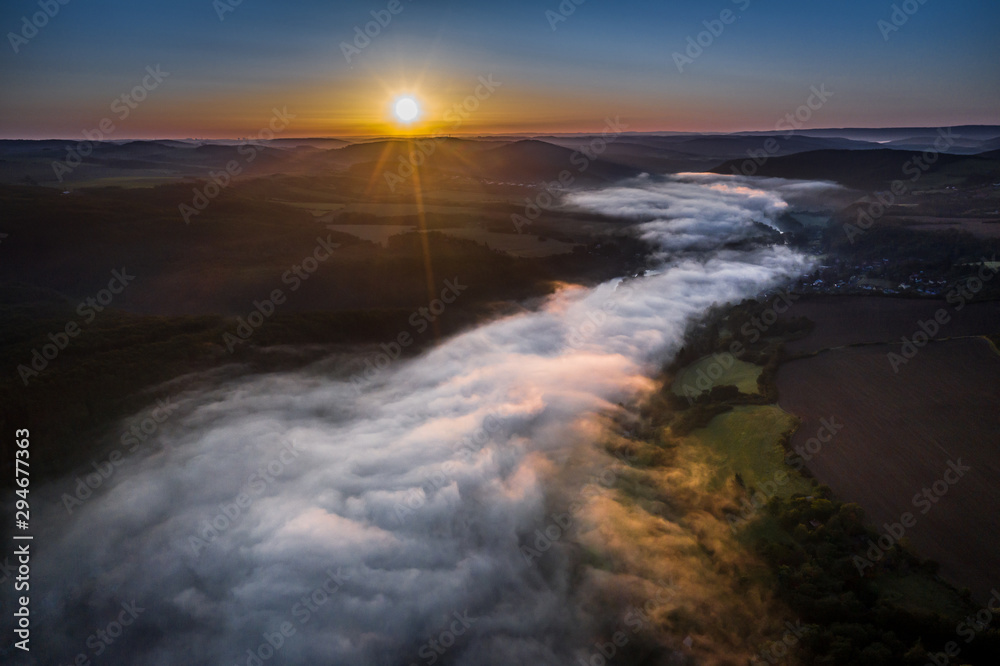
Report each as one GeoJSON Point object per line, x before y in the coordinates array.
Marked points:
{"type": "Point", "coordinates": [899, 433]}
{"type": "Point", "coordinates": [918, 594]}
{"type": "Point", "coordinates": [374, 233]}
{"type": "Point", "coordinates": [847, 320]}
{"type": "Point", "coordinates": [741, 374]}
{"type": "Point", "coordinates": [746, 441]}
{"type": "Point", "coordinates": [480, 215]}
{"type": "Point", "coordinates": [988, 227]}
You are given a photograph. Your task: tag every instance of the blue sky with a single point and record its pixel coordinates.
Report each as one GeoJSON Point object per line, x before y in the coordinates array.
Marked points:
{"type": "Point", "coordinates": [606, 59]}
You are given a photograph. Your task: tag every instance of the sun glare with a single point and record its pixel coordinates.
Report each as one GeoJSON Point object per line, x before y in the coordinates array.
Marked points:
{"type": "Point", "coordinates": [406, 109]}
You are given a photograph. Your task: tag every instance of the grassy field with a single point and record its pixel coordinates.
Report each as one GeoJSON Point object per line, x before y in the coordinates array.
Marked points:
{"type": "Point", "coordinates": [741, 374]}
{"type": "Point", "coordinates": [809, 533]}
{"type": "Point", "coordinates": [747, 441]}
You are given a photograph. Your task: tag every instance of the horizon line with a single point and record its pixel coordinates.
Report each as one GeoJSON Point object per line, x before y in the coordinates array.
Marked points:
{"type": "Point", "coordinates": [471, 135]}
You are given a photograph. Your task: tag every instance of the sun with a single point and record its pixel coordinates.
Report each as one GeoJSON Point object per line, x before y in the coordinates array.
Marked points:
{"type": "Point", "coordinates": [406, 109]}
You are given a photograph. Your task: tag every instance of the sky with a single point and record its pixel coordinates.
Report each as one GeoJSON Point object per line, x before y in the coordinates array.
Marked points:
{"type": "Point", "coordinates": [548, 67]}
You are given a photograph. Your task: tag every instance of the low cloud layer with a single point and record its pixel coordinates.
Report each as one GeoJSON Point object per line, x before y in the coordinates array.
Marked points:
{"type": "Point", "coordinates": [372, 523]}
{"type": "Point", "coordinates": [699, 211]}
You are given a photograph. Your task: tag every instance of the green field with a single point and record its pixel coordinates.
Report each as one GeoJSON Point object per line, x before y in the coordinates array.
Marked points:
{"type": "Point", "coordinates": [747, 441]}
{"type": "Point", "coordinates": [741, 374]}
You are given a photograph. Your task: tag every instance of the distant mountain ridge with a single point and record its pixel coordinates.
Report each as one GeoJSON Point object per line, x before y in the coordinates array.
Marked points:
{"type": "Point", "coordinates": [870, 169]}
{"type": "Point", "coordinates": [858, 156]}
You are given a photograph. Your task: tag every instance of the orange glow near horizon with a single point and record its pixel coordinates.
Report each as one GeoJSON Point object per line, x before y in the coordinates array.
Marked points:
{"type": "Point", "coordinates": [363, 108]}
